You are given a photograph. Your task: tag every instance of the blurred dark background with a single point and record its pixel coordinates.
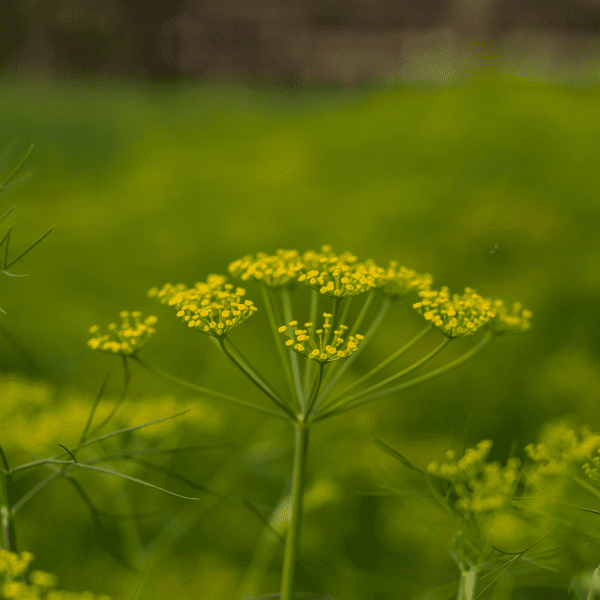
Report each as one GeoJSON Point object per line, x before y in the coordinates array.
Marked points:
{"type": "Point", "coordinates": [290, 41]}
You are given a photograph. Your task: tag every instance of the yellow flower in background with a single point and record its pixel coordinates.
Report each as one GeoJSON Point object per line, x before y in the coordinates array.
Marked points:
{"type": "Point", "coordinates": [562, 450]}
{"type": "Point", "coordinates": [515, 322]}
{"type": "Point", "coordinates": [213, 308]}
{"type": "Point", "coordinates": [273, 271]}
{"type": "Point", "coordinates": [455, 316]}
{"type": "Point", "coordinates": [14, 564]}
{"type": "Point", "coordinates": [127, 338]}
{"type": "Point", "coordinates": [400, 281]}
{"type": "Point", "coordinates": [315, 343]}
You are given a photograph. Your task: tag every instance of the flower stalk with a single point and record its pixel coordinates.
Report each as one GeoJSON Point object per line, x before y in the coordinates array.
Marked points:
{"type": "Point", "coordinates": [301, 432]}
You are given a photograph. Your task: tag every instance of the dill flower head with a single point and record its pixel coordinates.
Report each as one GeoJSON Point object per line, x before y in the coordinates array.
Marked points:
{"type": "Point", "coordinates": [125, 339]}
{"type": "Point", "coordinates": [457, 315]}
{"type": "Point", "coordinates": [562, 449]}
{"type": "Point", "coordinates": [271, 270]}
{"type": "Point", "coordinates": [465, 468]}
{"type": "Point", "coordinates": [400, 281]}
{"type": "Point", "coordinates": [338, 276]}
{"type": "Point", "coordinates": [315, 343]}
{"type": "Point", "coordinates": [515, 322]}
{"type": "Point", "coordinates": [479, 486]}
{"type": "Point", "coordinates": [212, 307]}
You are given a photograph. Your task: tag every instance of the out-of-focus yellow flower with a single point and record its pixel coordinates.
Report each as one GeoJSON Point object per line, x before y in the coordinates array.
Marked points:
{"type": "Point", "coordinates": [400, 281]}
{"type": "Point", "coordinates": [127, 338]}
{"type": "Point", "coordinates": [515, 322]}
{"type": "Point", "coordinates": [562, 450]}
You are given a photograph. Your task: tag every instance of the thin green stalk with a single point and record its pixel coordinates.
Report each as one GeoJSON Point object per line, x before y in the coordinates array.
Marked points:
{"type": "Point", "coordinates": [385, 363]}
{"type": "Point", "coordinates": [287, 313]}
{"type": "Point", "coordinates": [345, 400]}
{"type": "Point", "coordinates": [210, 393]}
{"type": "Point", "coordinates": [293, 534]}
{"type": "Point", "coordinates": [314, 304]}
{"type": "Point", "coordinates": [344, 314]}
{"type": "Point", "coordinates": [253, 376]}
{"type": "Point", "coordinates": [118, 403]}
{"type": "Point", "coordinates": [315, 390]}
{"type": "Point", "coordinates": [9, 535]}
{"type": "Point", "coordinates": [408, 384]}
{"type": "Point", "coordinates": [330, 382]}
{"type": "Point", "coordinates": [334, 310]}
{"type": "Point", "coordinates": [279, 343]}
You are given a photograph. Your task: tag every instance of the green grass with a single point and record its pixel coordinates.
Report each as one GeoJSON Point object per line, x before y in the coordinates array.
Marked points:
{"type": "Point", "coordinates": [148, 186]}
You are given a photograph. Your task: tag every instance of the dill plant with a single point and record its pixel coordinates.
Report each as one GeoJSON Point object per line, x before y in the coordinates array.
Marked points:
{"type": "Point", "coordinates": [16, 583]}
{"type": "Point", "coordinates": [534, 519]}
{"type": "Point", "coordinates": [346, 303]}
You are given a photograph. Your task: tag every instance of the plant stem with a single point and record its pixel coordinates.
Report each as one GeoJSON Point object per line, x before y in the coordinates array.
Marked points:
{"type": "Point", "coordinates": [372, 389]}
{"type": "Point", "coordinates": [293, 534]}
{"type": "Point", "coordinates": [314, 303]}
{"type": "Point", "coordinates": [467, 585]}
{"type": "Point", "coordinates": [9, 536]}
{"type": "Point", "coordinates": [287, 312]}
{"type": "Point", "coordinates": [253, 375]}
{"type": "Point", "coordinates": [210, 393]}
{"type": "Point", "coordinates": [281, 348]}
{"type": "Point", "coordinates": [408, 384]}
{"type": "Point", "coordinates": [386, 362]}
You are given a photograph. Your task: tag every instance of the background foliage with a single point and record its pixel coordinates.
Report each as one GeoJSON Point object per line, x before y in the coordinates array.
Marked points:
{"type": "Point", "coordinates": [149, 185]}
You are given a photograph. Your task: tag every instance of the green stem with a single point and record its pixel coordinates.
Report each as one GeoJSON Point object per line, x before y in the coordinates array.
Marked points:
{"type": "Point", "coordinates": [9, 536]}
{"type": "Point", "coordinates": [385, 363]}
{"type": "Point", "coordinates": [372, 389]}
{"type": "Point", "coordinates": [210, 393]}
{"type": "Point", "coordinates": [287, 313]}
{"type": "Point", "coordinates": [408, 384]}
{"type": "Point", "coordinates": [293, 534]}
{"type": "Point", "coordinates": [467, 585]}
{"type": "Point", "coordinates": [314, 304]}
{"type": "Point", "coordinates": [253, 375]}
{"type": "Point", "coordinates": [315, 390]}
{"type": "Point", "coordinates": [119, 402]}
{"type": "Point", "coordinates": [279, 343]}
{"type": "Point", "coordinates": [330, 382]}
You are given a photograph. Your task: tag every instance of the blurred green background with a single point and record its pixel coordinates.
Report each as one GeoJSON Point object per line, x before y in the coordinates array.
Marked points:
{"type": "Point", "coordinates": [148, 185]}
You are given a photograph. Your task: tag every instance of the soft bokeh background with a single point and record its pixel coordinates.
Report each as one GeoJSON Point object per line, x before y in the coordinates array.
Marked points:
{"type": "Point", "coordinates": [152, 182]}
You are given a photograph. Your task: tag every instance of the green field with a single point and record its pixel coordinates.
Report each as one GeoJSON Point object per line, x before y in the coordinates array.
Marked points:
{"type": "Point", "coordinates": [489, 184]}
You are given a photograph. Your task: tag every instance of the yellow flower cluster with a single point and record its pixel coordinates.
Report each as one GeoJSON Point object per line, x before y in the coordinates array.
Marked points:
{"type": "Point", "coordinates": [125, 339]}
{"type": "Point", "coordinates": [479, 486]}
{"type": "Point", "coordinates": [274, 271]}
{"type": "Point", "coordinates": [515, 322]}
{"type": "Point", "coordinates": [214, 307]}
{"type": "Point", "coordinates": [457, 315]}
{"type": "Point", "coordinates": [13, 565]}
{"type": "Point", "coordinates": [400, 281]}
{"type": "Point", "coordinates": [562, 450]}
{"type": "Point", "coordinates": [320, 349]}
{"type": "Point", "coordinates": [493, 489]}
{"type": "Point", "coordinates": [465, 468]}
{"type": "Point", "coordinates": [40, 586]}
{"type": "Point", "coordinates": [335, 275]}
{"type": "Point", "coordinates": [338, 276]}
